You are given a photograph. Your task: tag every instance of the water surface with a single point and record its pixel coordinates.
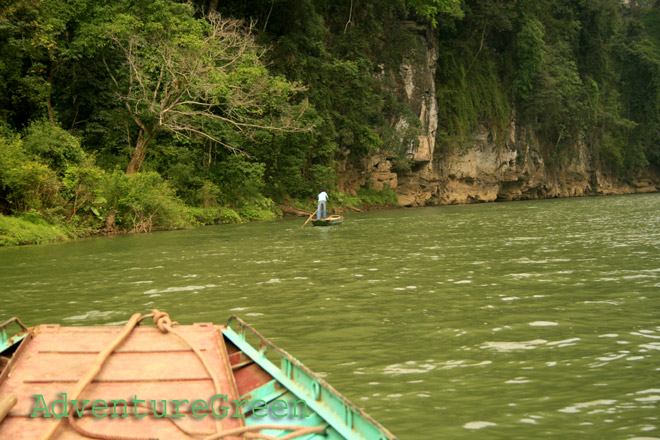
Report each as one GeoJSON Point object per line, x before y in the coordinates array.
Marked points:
{"type": "Point", "coordinates": [510, 320]}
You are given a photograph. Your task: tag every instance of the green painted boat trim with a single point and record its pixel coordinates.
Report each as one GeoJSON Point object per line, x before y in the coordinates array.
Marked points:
{"type": "Point", "coordinates": [8, 342]}
{"type": "Point", "coordinates": [271, 391]}
{"type": "Point", "coordinates": [350, 422]}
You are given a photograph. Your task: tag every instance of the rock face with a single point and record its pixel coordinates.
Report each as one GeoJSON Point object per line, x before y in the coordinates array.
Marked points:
{"type": "Point", "coordinates": [487, 171]}
{"type": "Point", "coordinates": [486, 168]}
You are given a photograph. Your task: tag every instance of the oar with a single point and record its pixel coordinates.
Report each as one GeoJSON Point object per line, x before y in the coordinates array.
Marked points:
{"type": "Point", "coordinates": [310, 217]}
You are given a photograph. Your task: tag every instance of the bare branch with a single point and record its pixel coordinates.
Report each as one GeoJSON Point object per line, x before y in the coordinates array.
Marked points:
{"type": "Point", "coordinates": [217, 76]}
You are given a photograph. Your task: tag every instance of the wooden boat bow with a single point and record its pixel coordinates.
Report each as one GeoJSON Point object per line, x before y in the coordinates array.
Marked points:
{"type": "Point", "coordinates": [167, 362]}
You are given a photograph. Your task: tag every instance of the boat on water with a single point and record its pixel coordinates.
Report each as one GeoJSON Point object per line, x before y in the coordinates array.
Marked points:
{"type": "Point", "coordinates": [165, 381]}
{"type": "Point", "coordinates": [328, 221]}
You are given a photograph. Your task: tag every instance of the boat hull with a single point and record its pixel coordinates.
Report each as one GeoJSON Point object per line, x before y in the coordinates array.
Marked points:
{"type": "Point", "coordinates": [329, 221]}
{"type": "Point", "coordinates": [273, 393]}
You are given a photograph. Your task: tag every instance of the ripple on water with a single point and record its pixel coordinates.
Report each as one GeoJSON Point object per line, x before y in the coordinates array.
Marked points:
{"type": "Point", "coordinates": [580, 406]}
{"type": "Point", "coordinates": [179, 289]}
{"type": "Point", "coordinates": [409, 367]}
{"type": "Point", "coordinates": [92, 314]}
{"type": "Point", "coordinates": [564, 343]}
{"type": "Point", "coordinates": [645, 334]}
{"type": "Point", "coordinates": [543, 323]}
{"type": "Point", "coordinates": [511, 346]}
{"type": "Point", "coordinates": [613, 303]}
{"type": "Point", "coordinates": [478, 425]}
{"type": "Point", "coordinates": [522, 276]}
{"type": "Point", "coordinates": [649, 391]}
{"type": "Point", "coordinates": [518, 380]}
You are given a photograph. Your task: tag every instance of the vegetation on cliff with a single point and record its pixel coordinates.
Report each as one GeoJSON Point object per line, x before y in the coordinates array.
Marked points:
{"type": "Point", "coordinates": [133, 115]}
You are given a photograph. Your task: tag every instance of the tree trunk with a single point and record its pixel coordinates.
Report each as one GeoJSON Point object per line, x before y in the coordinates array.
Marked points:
{"type": "Point", "coordinates": [110, 221]}
{"type": "Point", "coordinates": [138, 154]}
{"type": "Point", "coordinates": [51, 116]}
{"type": "Point", "coordinates": [49, 104]}
{"type": "Point", "coordinates": [294, 211]}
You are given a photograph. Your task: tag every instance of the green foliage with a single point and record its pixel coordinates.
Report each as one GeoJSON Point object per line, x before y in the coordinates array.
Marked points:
{"type": "Point", "coordinates": [21, 231]}
{"type": "Point", "coordinates": [240, 181]}
{"type": "Point", "coordinates": [640, 86]}
{"type": "Point", "coordinates": [469, 94]}
{"type": "Point", "coordinates": [366, 197]}
{"type": "Point", "coordinates": [84, 85]}
{"type": "Point", "coordinates": [612, 152]}
{"type": "Point", "coordinates": [431, 9]}
{"type": "Point", "coordinates": [256, 213]}
{"type": "Point", "coordinates": [262, 209]}
{"type": "Point", "coordinates": [557, 103]}
{"type": "Point", "coordinates": [82, 189]}
{"type": "Point", "coordinates": [384, 197]}
{"type": "Point", "coordinates": [342, 199]}
{"type": "Point", "coordinates": [199, 78]}
{"type": "Point", "coordinates": [321, 176]}
{"type": "Point", "coordinates": [215, 215]}
{"type": "Point", "coordinates": [53, 146]}
{"type": "Point", "coordinates": [353, 106]}
{"type": "Point", "coordinates": [26, 185]}
{"type": "Point", "coordinates": [529, 57]}
{"type": "Point", "coordinates": [208, 195]}
{"type": "Point", "coordinates": [143, 202]}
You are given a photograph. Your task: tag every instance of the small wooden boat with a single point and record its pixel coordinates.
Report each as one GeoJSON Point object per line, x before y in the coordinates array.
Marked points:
{"type": "Point", "coordinates": [328, 221]}
{"type": "Point", "coordinates": [170, 382]}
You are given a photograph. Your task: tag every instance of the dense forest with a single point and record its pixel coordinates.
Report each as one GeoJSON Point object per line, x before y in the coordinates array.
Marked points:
{"type": "Point", "coordinates": [133, 115]}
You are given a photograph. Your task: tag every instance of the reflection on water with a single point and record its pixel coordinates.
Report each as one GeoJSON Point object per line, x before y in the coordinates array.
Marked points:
{"type": "Point", "coordinates": [514, 320]}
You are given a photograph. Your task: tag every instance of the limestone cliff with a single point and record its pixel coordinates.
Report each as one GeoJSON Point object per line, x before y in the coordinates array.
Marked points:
{"type": "Point", "coordinates": [485, 168]}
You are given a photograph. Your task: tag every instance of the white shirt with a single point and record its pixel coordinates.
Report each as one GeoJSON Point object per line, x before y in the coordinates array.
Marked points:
{"type": "Point", "coordinates": [323, 196]}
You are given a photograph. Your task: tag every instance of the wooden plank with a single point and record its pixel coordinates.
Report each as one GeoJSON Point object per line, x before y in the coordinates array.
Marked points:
{"type": "Point", "coordinates": [150, 366]}
{"type": "Point", "coordinates": [58, 339]}
{"type": "Point", "coordinates": [122, 366]}
{"type": "Point", "coordinates": [250, 377]}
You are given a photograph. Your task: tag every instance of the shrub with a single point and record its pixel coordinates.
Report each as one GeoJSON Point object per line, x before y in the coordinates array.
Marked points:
{"type": "Point", "coordinates": [260, 209]}
{"type": "Point", "coordinates": [28, 230]}
{"type": "Point", "coordinates": [241, 181]}
{"type": "Point", "coordinates": [343, 199]}
{"type": "Point", "coordinates": [322, 176]}
{"type": "Point", "coordinates": [82, 190]}
{"type": "Point", "coordinates": [228, 215]}
{"type": "Point", "coordinates": [144, 201]}
{"type": "Point", "coordinates": [256, 213]}
{"type": "Point", "coordinates": [208, 195]}
{"type": "Point", "coordinates": [372, 196]}
{"type": "Point", "coordinates": [25, 184]}
{"type": "Point", "coordinates": [53, 146]}
{"type": "Point", "coordinates": [215, 215]}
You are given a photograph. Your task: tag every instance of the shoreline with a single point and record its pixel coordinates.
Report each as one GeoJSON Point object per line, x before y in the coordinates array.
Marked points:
{"type": "Point", "coordinates": [339, 210]}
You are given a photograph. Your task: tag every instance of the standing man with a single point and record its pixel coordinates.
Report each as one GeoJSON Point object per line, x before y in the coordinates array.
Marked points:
{"type": "Point", "coordinates": [323, 196]}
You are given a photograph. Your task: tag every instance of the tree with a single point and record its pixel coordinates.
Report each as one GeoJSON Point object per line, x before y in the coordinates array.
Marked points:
{"type": "Point", "coordinates": [34, 46]}
{"type": "Point", "coordinates": [197, 78]}
{"type": "Point", "coordinates": [431, 9]}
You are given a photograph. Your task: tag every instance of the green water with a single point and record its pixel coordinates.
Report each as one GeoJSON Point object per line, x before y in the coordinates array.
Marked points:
{"type": "Point", "coordinates": [513, 320]}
